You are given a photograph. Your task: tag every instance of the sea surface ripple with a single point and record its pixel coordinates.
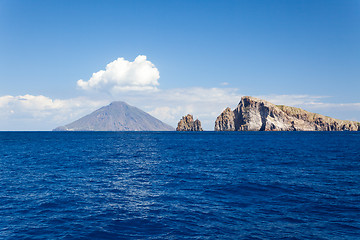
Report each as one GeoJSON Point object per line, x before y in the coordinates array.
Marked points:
{"type": "Point", "coordinates": [171, 185]}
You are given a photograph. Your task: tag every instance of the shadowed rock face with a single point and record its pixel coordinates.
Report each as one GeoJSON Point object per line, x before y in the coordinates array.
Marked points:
{"type": "Point", "coordinates": [118, 116]}
{"type": "Point", "coordinates": [253, 114]}
{"type": "Point", "coordinates": [187, 123]}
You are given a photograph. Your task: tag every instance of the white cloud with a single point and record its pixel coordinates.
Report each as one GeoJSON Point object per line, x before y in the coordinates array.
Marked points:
{"type": "Point", "coordinates": [207, 103]}
{"type": "Point", "coordinates": [130, 82]}
{"type": "Point", "coordinates": [29, 112]}
{"type": "Point", "coordinates": [344, 111]}
{"type": "Point", "coordinates": [309, 102]}
{"type": "Point", "coordinates": [318, 104]}
{"type": "Point", "coordinates": [122, 75]}
{"type": "Point", "coordinates": [166, 114]}
{"type": "Point", "coordinates": [170, 105]}
{"type": "Point", "coordinates": [292, 100]}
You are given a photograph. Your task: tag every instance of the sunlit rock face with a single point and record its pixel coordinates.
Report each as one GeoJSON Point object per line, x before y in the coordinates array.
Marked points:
{"type": "Point", "coordinates": [225, 122]}
{"type": "Point", "coordinates": [253, 114]}
{"type": "Point", "coordinates": [187, 123]}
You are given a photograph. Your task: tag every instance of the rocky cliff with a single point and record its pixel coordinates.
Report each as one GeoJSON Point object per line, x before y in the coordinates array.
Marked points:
{"type": "Point", "coordinates": [253, 114]}
{"type": "Point", "coordinates": [187, 123]}
{"type": "Point", "coordinates": [225, 122]}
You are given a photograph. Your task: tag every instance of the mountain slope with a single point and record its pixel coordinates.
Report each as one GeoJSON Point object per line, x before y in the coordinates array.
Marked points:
{"type": "Point", "coordinates": [117, 116]}
{"type": "Point", "coordinates": [253, 114]}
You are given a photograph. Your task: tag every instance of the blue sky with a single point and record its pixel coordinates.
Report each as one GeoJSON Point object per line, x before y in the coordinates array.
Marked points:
{"type": "Point", "coordinates": [302, 53]}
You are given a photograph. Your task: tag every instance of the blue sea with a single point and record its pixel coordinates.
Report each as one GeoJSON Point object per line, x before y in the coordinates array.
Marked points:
{"type": "Point", "coordinates": [180, 185]}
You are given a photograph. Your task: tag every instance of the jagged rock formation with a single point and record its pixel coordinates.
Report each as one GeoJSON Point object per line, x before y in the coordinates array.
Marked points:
{"type": "Point", "coordinates": [118, 116]}
{"type": "Point", "coordinates": [253, 114]}
{"type": "Point", "coordinates": [225, 122]}
{"type": "Point", "coordinates": [187, 123]}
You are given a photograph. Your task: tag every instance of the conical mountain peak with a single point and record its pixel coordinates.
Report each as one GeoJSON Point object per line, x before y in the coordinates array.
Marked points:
{"type": "Point", "coordinates": [117, 116]}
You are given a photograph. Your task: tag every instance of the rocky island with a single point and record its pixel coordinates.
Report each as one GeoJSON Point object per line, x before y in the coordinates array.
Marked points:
{"type": "Point", "coordinates": [253, 114]}
{"type": "Point", "coordinates": [187, 123]}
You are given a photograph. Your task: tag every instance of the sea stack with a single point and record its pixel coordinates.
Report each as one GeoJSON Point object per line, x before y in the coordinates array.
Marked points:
{"type": "Point", "coordinates": [187, 123]}
{"type": "Point", "coordinates": [253, 114]}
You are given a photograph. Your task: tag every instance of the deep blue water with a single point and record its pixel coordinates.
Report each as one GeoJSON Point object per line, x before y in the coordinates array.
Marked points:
{"type": "Point", "coordinates": [209, 185]}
